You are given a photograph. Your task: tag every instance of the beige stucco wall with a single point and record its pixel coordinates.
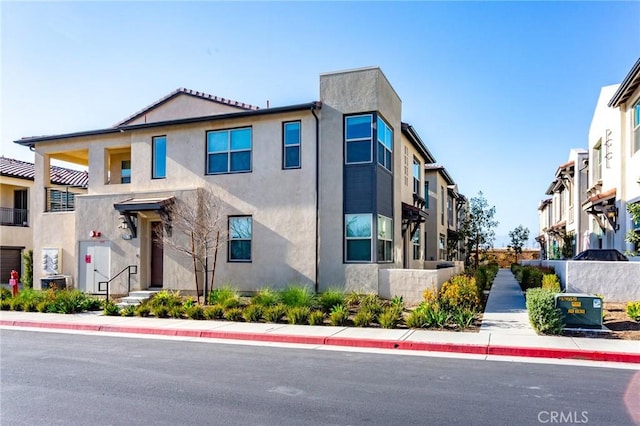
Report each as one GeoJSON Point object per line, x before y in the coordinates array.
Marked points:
{"type": "Point", "coordinates": [433, 225]}
{"type": "Point", "coordinates": [55, 230]}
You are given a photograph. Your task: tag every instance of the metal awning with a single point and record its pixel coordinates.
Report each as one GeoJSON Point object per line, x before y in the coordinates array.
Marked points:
{"type": "Point", "coordinates": [130, 208]}
{"type": "Point", "coordinates": [603, 204]}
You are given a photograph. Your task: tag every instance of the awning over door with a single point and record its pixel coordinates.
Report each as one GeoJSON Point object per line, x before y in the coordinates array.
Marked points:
{"type": "Point", "coordinates": [130, 208]}
{"type": "Point", "coordinates": [603, 204]}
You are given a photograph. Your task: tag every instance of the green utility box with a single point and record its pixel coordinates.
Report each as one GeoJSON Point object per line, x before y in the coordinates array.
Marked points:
{"type": "Point", "coordinates": [580, 310]}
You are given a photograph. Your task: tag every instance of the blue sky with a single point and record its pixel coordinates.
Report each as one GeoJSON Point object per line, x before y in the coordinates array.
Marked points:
{"type": "Point", "coordinates": [499, 91]}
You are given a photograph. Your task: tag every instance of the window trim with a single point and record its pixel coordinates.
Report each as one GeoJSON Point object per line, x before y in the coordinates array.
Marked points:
{"type": "Point", "coordinates": [387, 240]}
{"type": "Point", "coordinates": [285, 146]}
{"type": "Point", "coordinates": [370, 139]}
{"type": "Point", "coordinates": [228, 151]}
{"type": "Point", "coordinates": [369, 238]}
{"type": "Point", "coordinates": [154, 152]}
{"type": "Point", "coordinates": [379, 142]}
{"type": "Point", "coordinates": [416, 180]}
{"type": "Point", "coordinates": [231, 239]}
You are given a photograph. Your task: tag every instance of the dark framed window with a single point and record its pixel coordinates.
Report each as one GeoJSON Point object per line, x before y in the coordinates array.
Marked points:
{"type": "Point", "coordinates": [125, 171]}
{"type": "Point", "coordinates": [385, 239]}
{"type": "Point", "coordinates": [229, 151]}
{"type": "Point", "coordinates": [385, 144]}
{"type": "Point", "coordinates": [240, 237]}
{"type": "Point", "coordinates": [159, 157]}
{"type": "Point", "coordinates": [426, 194]}
{"type": "Point", "coordinates": [358, 139]}
{"type": "Point", "coordinates": [357, 232]}
{"type": "Point", "coordinates": [415, 241]}
{"type": "Point", "coordinates": [416, 176]}
{"type": "Point", "coordinates": [291, 143]}
{"type": "Point", "coordinates": [636, 127]}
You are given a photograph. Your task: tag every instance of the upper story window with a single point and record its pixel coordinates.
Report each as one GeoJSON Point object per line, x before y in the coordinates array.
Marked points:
{"type": "Point", "coordinates": [291, 141]}
{"type": "Point", "coordinates": [125, 171]}
{"type": "Point", "coordinates": [636, 127]}
{"type": "Point", "coordinates": [229, 151]}
{"type": "Point", "coordinates": [385, 145]}
{"type": "Point", "coordinates": [442, 204]}
{"type": "Point", "coordinates": [159, 157]}
{"type": "Point", "coordinates": [240, 236]}
{"type": "Point", "coordinates": [415, 241]}
{"type": "Point", "coordinates": [426, 194]}
{"type": "Point", "coordinates": [597, 155]}
{"type": "Point", "coordinates": [385, 239]}
{"type": "Point", "coordinates": [357, 232]}
{"type": "Point", "coordinates": [358, 139]}
{"type": "Point", "coordinates": [416, 176]}
{"type": "Point", "coordinates": [450, 209]}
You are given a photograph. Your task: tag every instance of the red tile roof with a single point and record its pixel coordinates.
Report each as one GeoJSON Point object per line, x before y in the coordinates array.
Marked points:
{"type": "Point", "coordinates": [59, 175]}
{"type": "Point", "coordinates": [190, 92]}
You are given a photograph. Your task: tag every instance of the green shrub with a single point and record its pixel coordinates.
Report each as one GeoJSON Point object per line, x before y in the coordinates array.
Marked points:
{"type": "Point", "coordinates": [213, 312]}
{"type": "Point", "coordinates": [252, 313]}
{"type": "Point", "coordinates": [339, 315]}
{"type": "Point", "coordinates": [91, 304]}
{"type": "Point", "coordinates": [545, 318]}
{"type": "Point", "coordinates": [274, 313]}
{"type": "Point", "coordinates": [298, 314]}
{"type": "Point", "coordinates": [316, 317]}
{"type": "Point", "coordinates": [194, 312]}
{"type": "Point", "coordinates": [27, 277]}
{"type": "Point", "coordinates": [397, 302]}
{"type": "Point", "coordinates": [390, 317]}
{"type": "Point", "coordinates": [143, 309]}
{"type": "Point", "coordinates": [128, 311]}
{"type": "Point", "coordinates": [372, 303]}
{"type": "Point", "coordinates": [167, 299]}
{"type": "Point", "coordinates": [160, 311]}
{"type": "Point", "coordinates": [297, 296]}
{"type": "Point", "coordinates": [233, 314]}
{"type": "Point", "coordinates": [551, 282]}
{"type": "Point", "coordinates": [463, 317]}
{"type": "Point", "coordinates": [230, 303]}
{"type": "Point", "coordinates": [5, 305]}
{"type": "Point", "coordinates": [633, 310]}
{"type": "Point", "coordinates": [436, 316]}
{"type": "Point", "coordinates": [222, 294]}
{"type": "Point", "coordinates": [363, 318]}
{"type": "Point", "coordinates": [5, 293]}
{"type": "Point", "coordinates": [111, 309]}
{"type": "Point", "coordinates": [416, 319]}
{"type": "Point", "coordinates": [353, 298]}
{"type": "Point", "coordinates": [461, 291]}
{"type": "Point", "coordinates": [265, 297]}
{"type": "Point", "coordinates": [68, 301]}
{"type": "Point", "coordinates": [16, 304]}
{"type": "Point", "coordinates": [176, 311]}
{"type": "Point", "coordinates": [482, 278]}
{"type": "Point", "coordinates": [331, 298]}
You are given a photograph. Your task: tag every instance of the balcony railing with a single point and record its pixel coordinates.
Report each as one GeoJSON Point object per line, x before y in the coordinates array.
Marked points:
{"type": "Point", "coordinates": [61, 199]}
{"type": "Point", "coordinates": [14, 217]}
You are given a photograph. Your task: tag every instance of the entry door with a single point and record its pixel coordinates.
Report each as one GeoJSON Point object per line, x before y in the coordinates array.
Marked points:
{"type": "Point", "coordinates": [95, 265]}
{"type": "Point", "coordinates": [157, 254]}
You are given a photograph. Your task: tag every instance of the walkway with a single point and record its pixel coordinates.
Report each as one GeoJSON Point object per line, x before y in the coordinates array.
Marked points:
{"type": "Point", "coordinates": [506, 312]}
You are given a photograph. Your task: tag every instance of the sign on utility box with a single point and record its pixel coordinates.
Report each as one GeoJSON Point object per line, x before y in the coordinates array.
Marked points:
{"type": "Point", "coordinates": [580, 310]}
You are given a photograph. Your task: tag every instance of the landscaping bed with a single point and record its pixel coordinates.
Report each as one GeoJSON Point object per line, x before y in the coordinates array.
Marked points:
{"type": "Point", "coordinates": [615, 319]}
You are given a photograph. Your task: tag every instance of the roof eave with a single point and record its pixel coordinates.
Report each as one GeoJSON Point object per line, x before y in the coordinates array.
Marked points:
{"type": "Point", "coordinates": [627, 87]}
{"type": "Point", "coordinates": [415, 139]}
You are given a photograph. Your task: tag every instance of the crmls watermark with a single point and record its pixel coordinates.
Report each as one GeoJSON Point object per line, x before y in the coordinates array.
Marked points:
{"type": "Point", "coordinates": [563, 417]}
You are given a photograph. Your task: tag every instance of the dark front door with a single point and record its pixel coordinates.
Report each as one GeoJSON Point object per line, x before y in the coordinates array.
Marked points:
{"type": "Point", "coordinates": [157, 254]}
{"type": "Point", "coordinates": [21, 206]}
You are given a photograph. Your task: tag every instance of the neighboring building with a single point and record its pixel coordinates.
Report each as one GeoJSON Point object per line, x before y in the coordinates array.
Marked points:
{"type": "Point", "coordinates": [319, 193]}
{"type": "Point", "coordinates": [16, 215]}
{"type": "Point", "coordinates": [545, 217]}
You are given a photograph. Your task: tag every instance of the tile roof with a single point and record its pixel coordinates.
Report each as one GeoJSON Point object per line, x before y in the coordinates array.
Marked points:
{"type": "Point", "coordinates": [59, 175]}
{"type": "Point", "coordinates": [189, 92]}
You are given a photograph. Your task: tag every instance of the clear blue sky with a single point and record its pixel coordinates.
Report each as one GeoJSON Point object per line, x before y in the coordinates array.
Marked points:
{"type": "Point", "coordinates": [499, 91]}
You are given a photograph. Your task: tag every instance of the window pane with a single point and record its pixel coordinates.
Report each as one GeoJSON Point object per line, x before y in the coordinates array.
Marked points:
{"type": "Point", "coordinates": [388, 159]}
{"type": "Point", "coordinates": [241, 161]}
{"type": "Point", "coordinates": [217, 141]}
{"type": "Point", "coordinates": [292, 156]}
{"type": "Point", "coordinates": [241, 139]}
{"type": "Point", "coordinates": [359, 152]}
{"type": "Point", "coordinates": [240, 227]}
{"type": "Point", "coordinates": [359, 127]}
{"type": "Point", "coordinates": [389, 138]}
{"type": "Point", "coordinates": [159, 157]}
{"type": "Point", "coordinates": [218, 163]}
{"type": "Point", "coordinates": [381, 153]}
{"type": "Point", "coordinates": [358, 225]}
{"type": "Point", "coordinates": [292, 134]}
{"type": "Point", "coordinates": [385, 230]}
{"type": "Point", "coordinates": [359, 250]}
{"type": "Point", "coordinates": [240, 250]}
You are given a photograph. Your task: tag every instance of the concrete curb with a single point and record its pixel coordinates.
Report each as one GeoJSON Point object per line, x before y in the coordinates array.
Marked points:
{"type": "Point", "coordinates": [532, 352]}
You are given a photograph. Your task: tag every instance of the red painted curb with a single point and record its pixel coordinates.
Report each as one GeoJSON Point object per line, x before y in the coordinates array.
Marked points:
{"type": "Point", "coordinates": [564, 354]}
{"type": "Point", "coordinates": [444, 347]}
{"type": "Point", "coordinates": [280, 338]}
{"type": "Point", "coordinates": [361, 343]}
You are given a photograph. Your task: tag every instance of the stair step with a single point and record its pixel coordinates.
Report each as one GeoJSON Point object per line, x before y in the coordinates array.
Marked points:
{"type": "Point", "coordinates": [143, 293]}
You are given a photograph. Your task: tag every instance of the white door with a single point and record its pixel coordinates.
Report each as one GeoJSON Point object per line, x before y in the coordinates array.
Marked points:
{"type": "Point", "coordinates": [95, 262]}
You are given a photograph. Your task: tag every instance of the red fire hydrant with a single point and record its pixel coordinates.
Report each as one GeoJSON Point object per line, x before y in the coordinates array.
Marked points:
{"type": "Point", "coordinates": [13, 282]}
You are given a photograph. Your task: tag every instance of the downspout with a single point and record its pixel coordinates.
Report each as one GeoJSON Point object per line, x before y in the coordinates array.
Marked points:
{"type": "Point", "coordinates": [317, 194]}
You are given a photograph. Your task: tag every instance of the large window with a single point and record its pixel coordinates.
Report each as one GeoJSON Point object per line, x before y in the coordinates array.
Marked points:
{"type": "Point", "coordinates": [426, 194]}
{"type": "Point", "coordinates": [291, 139]}
{"type": "Point", "coordinates": [60, 200]}
{"type": "Point", "coordinates": [442, 253]}
{"type": "Point", "coordinates": [357, 232]}
{"type": "Point", "coordinates": [125, 171]}
{"type": "Point", "coordinates": [442, 204]}
{"type": "Point", "coordinates": [358, 136]}
{"type": "Point", "coordinates": [597, 156]}
{"type": "Point", "coordinates": [159, 155]}
{"type": "Point", "coordinates": [416, 176]}
{"type": "Point", "coordinates": [636, 127]}
{"type": "Point", "coordinates": [385, 239]}
{"type": "Point", "coordinates": [229, 151]}
{"type": "Point", "coordinates": [415, 241]}
{"type": "Point", "coordinates": [385, 144]}
{"type": "Point", "coordinates": [240, 234]}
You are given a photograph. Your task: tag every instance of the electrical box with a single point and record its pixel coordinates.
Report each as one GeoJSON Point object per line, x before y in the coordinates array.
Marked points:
{"type": "Point", "coordinates": [580, 310]}
{"type": "Point", "coordinates": [52, 261]}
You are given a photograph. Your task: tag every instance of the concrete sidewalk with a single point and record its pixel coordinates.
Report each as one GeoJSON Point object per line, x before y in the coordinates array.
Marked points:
{"type": "Point", "coordinates": [505, 331]}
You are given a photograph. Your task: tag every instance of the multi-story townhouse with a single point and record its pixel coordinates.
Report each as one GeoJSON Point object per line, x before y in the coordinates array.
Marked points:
{"type": "Point", "coordinates": [545, 220]}
{"type": "Point", "coordinates": [445, 205]}
{"type": "Point", "coordinates": [16, 217]}
{"type": "Point", "coordinates": [564, 220]}
{"type": "Point", "coordinates": [319, 193]}
{"type": "Point", "coordinates": [626, 100]}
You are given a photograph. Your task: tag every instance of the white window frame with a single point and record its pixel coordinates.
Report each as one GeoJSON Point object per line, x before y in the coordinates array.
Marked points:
{"type": "Point", "coordinates": [382, 126]}
{"type": "Point", "coordinates": [286, 145]}
{"type": "Point", "coordinates": [232, 238]}
{"type": "Point", "coordinates": [385, 239]}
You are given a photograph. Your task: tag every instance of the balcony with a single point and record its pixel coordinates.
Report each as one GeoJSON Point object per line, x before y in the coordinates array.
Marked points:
{"type": "Point", "coordinates": [14, 217]}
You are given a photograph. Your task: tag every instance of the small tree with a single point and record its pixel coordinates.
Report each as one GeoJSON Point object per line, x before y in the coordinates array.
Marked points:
{"type": "Point", "coordinates": [566, 251]}
{"type": "Point", "coordinates": [199, 219]}
{"type": "Point", "coordinates": [519, 237]}
{"type": "Point", "coordinates": [478, 226]}
{"type": "Point", "coordinates": [27, 276]}
{"type": "Point", "coordinates": [633, 237]}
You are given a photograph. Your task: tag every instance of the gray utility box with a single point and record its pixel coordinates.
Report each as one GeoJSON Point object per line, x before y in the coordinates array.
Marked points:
{"type": "Point", "coordinates": [58, 282]}
{"type": "Point", "coordinates": [580, 310]}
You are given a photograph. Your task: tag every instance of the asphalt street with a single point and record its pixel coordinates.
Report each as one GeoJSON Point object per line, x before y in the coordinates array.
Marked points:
{"type": "Point", "coordinates": [74, 379]}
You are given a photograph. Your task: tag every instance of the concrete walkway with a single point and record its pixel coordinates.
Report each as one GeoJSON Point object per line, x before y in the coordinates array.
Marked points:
{"type": "Point", "coordinates": [506, 312]}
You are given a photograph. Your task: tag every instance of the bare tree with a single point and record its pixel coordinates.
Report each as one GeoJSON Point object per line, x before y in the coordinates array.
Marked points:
{"type": "Point", "coordinates": [200, 225]}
